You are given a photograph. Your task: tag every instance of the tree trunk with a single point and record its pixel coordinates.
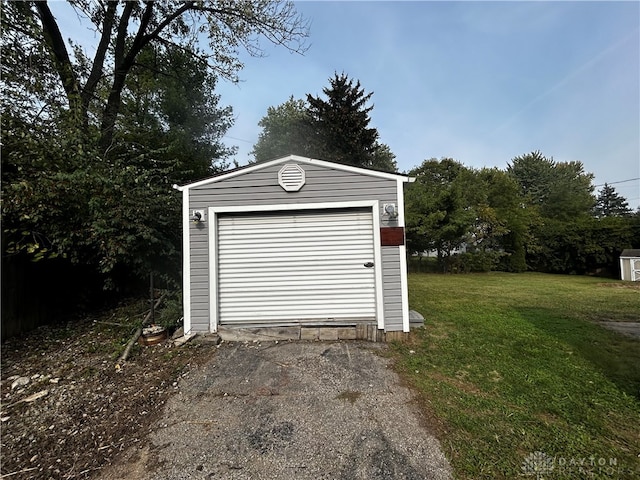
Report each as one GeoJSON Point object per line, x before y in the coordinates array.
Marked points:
{"type": "Point", "coordinates": [55, 42]}
{"type": "Point", "coordinates": [98, 62]}
{"type": "Point", "coordinates": [111, 111]}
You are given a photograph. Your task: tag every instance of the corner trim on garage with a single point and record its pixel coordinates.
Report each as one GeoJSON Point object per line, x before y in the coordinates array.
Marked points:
{"type": "Point", "coordinates": [186, 263]}
{"type": "Point", "coordinates": [404, 288]}
{"type": "Point", "coordinates": [213, 253]}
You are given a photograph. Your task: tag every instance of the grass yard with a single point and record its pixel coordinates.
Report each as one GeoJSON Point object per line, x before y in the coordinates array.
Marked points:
{"type": "Point", "coordinates": [513, 364]}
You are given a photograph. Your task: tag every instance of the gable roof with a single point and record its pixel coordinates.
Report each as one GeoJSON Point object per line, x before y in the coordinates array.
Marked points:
{"type": "Point", "coordinates": [630, 252]}
{"type": "Point", "coordinates": [294, 158]}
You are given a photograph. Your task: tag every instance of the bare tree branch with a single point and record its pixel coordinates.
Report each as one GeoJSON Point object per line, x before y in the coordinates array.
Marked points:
{"type": "Point", "coordinates": [170, 18]}
{"type": "Point", "coordinates": [121, 35]}
{"type": "Point", "coordinates": [122, 67]}
{"type": "Point", "coordinates": [98, 61]}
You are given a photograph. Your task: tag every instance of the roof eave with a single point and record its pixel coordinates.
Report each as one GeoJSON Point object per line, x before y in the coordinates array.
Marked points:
{"type": "Point", "coordinates": [296, 158]}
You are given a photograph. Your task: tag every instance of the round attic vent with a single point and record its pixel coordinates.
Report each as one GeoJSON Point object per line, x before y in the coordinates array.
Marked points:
{"type": "Point", "coordinates": [291, 177]}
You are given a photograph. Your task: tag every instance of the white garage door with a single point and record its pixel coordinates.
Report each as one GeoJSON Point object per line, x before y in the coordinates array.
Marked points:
{"type": "Point", "coordinates": [294, 267]}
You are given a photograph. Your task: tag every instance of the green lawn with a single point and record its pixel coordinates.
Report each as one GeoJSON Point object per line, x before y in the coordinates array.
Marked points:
{"type": "Point", "coordinates": [513, 364]}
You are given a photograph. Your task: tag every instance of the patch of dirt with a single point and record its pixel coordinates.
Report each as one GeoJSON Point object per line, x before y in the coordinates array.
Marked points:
{"type": "Point", "coordinates": [631, 329]}
{"type": "Point", "coordinates": [77, 414]}
{"type": "Point", "coordinates": [626, 285]}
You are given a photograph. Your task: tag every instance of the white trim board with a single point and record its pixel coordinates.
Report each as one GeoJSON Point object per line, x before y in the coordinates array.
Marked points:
{"type": "Point", "coordinates": [186, 264]}
{"type": "Point", "coordinates": [404, 281]}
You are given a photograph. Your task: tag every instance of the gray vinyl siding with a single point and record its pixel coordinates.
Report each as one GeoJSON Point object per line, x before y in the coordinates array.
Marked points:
{"type": "Point", "coordinates": [260, 187]}
{"type": "Point", "coordinates": [392, 289]}
{"type": "Point", "coordinates": [322, 185]}
{"type": "Point", "coordinates": [199, 242]}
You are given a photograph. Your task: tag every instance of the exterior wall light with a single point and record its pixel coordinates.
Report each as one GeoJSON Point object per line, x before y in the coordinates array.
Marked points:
{"type": "Point", "coordinates": [197, 216]}
{"type": "Point", "coordinates": [390, 210]}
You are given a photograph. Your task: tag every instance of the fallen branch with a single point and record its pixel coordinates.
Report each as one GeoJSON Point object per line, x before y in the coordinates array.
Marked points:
{"type": "Point", "coordinates": [29, 399]}
{"type": "Point", "coordinates": [112, 323]}
{"type": "Point", "coordinates": [69, 476]}
{"type": "Point", "coordinates": [125, 354]}
{"type": "Point", "coordinates": [19, 471]}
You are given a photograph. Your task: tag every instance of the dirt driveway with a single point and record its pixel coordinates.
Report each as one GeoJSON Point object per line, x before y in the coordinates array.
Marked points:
{"type": "Point", "coordinates": [290, 410]}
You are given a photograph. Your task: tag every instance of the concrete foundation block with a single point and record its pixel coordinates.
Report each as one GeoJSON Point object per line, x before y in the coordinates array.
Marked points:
{"type": "Point", "coordinates": [309, 333]}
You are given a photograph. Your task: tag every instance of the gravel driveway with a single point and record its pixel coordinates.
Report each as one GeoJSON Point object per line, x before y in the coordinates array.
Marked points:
{"type": "Point", "coordinates": [290, 410]}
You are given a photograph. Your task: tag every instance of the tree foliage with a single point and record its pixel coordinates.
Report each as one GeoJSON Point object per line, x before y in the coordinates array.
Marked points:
{"type": "Point", "coordinates": [342, 122]}
{"type": "Point", "coordinates": [610, 204]}
{"type": "Point", "coordinates": [92, 145]}
{"type": "Point", "coordinates": [559, 190]}
{"type": "Point", "coordinates": [436, 215]}
{"type": "Point", "coordinates": [120, 215]}
{"type": "Point", "coordinates": [566, 238]}
{"type": "Point", "coordinates": [586, 246]}
{"type": "Point", "coordinates": [535, 215]}
{"type": "Point", "coordinates": [503, 226]}
{"type": "Point", "coordinates": [336, 128]}
{"type": "Point", "coordinates": [466, 216]}
{"type": "Point", "coordinates": [286, 129]}
{"type": "Point", "coordinates": [127, 28]}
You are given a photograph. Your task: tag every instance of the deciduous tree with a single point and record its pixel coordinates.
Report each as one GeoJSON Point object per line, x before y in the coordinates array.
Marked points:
{"type": "Point", "coordinates": [286, 129]}
{"type": "Point", "coordinates": [502, 221]}
{"type": "Point", "coordinates": [125, 29]}
{"type": "Point", "coordinates": [92, 143]}
{"type": "Point", "coordinates": [435, 204]}
{"type": "Point", "coordinates": [122, 215]}
{"type": "Point", "coordinates": [560, 190]}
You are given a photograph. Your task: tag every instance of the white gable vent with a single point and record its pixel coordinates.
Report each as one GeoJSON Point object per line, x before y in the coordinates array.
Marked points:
{"type": "Point", "coordinates": [291, 177]}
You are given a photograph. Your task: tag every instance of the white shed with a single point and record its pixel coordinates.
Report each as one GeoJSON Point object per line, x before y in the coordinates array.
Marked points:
{"type": "Point", "coordinates": [304, 248]}
{"type": "Point", "coordinates": [630, 265]}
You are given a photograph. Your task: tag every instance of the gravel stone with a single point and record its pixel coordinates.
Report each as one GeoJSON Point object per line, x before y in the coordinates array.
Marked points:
{"type": "Point", "coordinates": [20, 382]}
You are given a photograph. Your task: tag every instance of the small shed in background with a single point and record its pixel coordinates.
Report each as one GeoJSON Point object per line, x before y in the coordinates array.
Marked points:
{"type": "Point", "coordinates": [305, 248]}
{"type": "Point", "coordinates": [630, 265]}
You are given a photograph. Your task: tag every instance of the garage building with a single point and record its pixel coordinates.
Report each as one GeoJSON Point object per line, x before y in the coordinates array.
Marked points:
{"type": "Point", "coordinates": [295, 245]}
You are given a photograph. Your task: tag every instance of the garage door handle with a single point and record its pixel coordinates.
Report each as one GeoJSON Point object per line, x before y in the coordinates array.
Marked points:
{"type": "Point", "coordinates": [368, 264]}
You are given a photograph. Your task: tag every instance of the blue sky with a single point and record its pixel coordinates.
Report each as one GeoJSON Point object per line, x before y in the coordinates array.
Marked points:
{"type": "Point", "coordinates": [481, 82]}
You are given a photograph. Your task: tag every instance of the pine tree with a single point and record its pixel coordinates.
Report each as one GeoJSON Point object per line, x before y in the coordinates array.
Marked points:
{"type": "Point", "coordinates": [610, 204]}
{"type": "Point", "coordinates": [334, 129]}
{"type": "Point", "coordinates": [342, 123]}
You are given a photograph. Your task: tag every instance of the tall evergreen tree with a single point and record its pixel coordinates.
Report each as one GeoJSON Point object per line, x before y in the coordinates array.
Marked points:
{"type": "Point", "coordinates": [610, 204]}
{"type": "Point", "coordinates": [341, 124]}
{"type": "Point", "coordinates": [534, 173]}
{"type": "Point", "coordinates": [335, 129]}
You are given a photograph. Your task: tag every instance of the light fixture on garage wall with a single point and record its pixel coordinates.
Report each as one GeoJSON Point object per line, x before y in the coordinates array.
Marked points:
{"type": "Point", "coordinates": [197, 216]}
{"type": "Point", "coordinates": [390, 210]}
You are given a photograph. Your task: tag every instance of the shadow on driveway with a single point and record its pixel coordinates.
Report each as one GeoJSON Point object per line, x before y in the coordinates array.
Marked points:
{"type": "Point", "coordinates": [291, 410]}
